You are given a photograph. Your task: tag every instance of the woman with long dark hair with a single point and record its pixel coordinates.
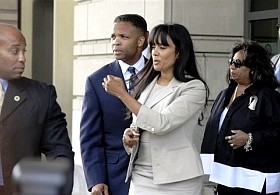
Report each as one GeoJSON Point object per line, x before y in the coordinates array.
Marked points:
{"type": "Point", "coordinates": [167, 105]}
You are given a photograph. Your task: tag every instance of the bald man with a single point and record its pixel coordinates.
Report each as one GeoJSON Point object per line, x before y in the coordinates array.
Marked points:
{"type": "Point", "coordinates": [31, 120]}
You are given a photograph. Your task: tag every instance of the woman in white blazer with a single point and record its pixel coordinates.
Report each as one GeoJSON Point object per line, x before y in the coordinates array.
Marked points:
{"type": "Point", "coordinates": [167, 105]}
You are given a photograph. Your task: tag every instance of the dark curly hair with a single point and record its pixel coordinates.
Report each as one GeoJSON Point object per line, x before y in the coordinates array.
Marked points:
{"type": "Point", "coordinates": [258, 61]}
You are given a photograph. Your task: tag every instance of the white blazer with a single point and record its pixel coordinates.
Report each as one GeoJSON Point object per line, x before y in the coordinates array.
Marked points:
{"type": "Point", "coordinates": [171, 119]}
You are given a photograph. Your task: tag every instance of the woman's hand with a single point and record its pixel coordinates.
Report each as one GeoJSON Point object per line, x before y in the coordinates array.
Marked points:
{"type": "Point", "coordinates": [114, 85]}
{"type": "Point", "coordinates": [130, 137]}
{"type": "Point", "coordinates": [238, 139]}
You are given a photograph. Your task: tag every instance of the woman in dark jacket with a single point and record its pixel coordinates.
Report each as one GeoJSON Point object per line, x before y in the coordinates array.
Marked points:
{"type": "Point", "coordinates": [241, 145]}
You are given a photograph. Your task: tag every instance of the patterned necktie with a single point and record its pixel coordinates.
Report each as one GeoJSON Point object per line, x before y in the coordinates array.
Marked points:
{"type": "Point", "coordinates": [132, 79]}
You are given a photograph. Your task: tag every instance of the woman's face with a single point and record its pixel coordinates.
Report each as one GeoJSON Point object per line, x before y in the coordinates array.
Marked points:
{"type": "Point", "coordinates": [239, 74]}
{"type": "Point", "coordinates": [164, 57]}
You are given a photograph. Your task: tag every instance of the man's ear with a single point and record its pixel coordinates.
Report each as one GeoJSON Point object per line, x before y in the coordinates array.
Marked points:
{"type": "Point", "coordinates": [141, 41]}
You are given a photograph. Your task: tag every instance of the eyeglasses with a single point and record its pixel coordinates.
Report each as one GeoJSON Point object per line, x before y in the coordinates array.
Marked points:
{"type": "Point", "coordinates": [237, 63]}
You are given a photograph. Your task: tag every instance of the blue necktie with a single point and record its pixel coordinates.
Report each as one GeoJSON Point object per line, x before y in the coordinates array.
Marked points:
{"type": "Point", "coordinates": [132, 79]}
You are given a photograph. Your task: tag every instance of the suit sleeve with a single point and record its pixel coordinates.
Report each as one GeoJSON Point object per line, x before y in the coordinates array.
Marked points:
{"type": "Point", "coordinates": [184, 107]}
{"type": "Point", "coordinates": [269, 120]}
{"type": "Point", "coordinates": [55, 142]}
{"type": "Point", "coordinates": [91, 138]}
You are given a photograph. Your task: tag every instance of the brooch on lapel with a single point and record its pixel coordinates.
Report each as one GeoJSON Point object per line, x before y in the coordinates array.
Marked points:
{"type": "Point", "coordinates": [253, 102]}
{"type": "Point", "coordinates": [16, 98]}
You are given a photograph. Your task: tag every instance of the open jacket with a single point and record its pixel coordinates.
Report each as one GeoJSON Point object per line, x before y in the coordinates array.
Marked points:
{"type": "Point", "coordinates": [257, 112]}
{"type": "Point", "coordinates": [171, 119]}
{"type": "Point", "coordinates": [31, 123]}
{"type": "Point", "coordinates": [102, 125]}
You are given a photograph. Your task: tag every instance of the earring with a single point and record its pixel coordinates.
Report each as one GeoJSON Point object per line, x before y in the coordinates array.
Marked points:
{"type": "Point", "coordinates": [252, 72]}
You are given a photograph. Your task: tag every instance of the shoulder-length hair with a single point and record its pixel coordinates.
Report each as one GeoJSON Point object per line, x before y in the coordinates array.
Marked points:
{"type": "Point", "coordinates": [185, 68]}
{"type": "Point", "coordinates": [258, 61]}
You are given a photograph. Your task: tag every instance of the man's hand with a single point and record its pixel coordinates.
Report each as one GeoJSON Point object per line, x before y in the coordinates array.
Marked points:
{"type": "Point", "coordinates": [100, 189]}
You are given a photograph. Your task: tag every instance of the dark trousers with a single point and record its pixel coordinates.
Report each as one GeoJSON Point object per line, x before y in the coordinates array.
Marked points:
{"type": "Point", "coordinates": [224, 190]}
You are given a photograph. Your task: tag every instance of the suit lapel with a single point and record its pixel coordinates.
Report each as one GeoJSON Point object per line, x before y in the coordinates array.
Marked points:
{"type": "Point", "coordinates": [169, 89]}
{"type": "Point", "coordinates": [115, 70]}
{"type": "Point", "coordinates": [14, 96]}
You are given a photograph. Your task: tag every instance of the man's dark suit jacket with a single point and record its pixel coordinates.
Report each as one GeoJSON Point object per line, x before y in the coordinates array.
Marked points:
{"type": "Point", "coordinates": [31, 123]}
{"type": "Point", "coordinates": [102, 126]}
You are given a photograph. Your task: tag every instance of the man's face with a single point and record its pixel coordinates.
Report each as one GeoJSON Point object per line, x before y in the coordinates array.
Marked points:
{"type": "Point", "coordinates": [12, 55]}
{"type": "Point", "coordinates": [126, 42]}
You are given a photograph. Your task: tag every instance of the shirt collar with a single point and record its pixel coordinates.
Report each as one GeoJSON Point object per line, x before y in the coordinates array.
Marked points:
{"type": "Point", "coordinates": [138, 65]}
{"type": "Point", "coordinates": [4, 84]}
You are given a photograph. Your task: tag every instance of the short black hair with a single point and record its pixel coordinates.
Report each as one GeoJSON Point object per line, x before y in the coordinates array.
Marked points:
{"type": "Point", "coordinates": [136, 20]}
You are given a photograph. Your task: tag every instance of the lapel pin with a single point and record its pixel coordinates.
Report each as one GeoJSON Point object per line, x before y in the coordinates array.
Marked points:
{"type": "Point", "coordinates": [16, 98]}
{"type": "Point", "coordinates": [253, 102]}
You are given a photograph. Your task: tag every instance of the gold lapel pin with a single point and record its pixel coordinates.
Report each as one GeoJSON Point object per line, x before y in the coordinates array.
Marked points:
{"type": "Point", "coordinates": [16, 98]}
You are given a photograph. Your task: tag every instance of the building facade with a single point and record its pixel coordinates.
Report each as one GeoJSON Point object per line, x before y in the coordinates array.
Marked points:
{"type": "Point", "coordinates": [69, 39]}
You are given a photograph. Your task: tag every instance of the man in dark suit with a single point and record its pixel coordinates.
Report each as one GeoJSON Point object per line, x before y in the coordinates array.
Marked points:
{"type": "Point", "coordinates": [104, 116]}
{"type": "Point", "coordinates": [31, 121]}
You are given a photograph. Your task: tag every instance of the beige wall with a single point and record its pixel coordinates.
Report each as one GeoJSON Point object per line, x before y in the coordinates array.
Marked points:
{"type": "Point", "coordinates": [9, 11]}
{"type": "Point", "coordinates": [213, 31]}
{"type": "Point", "coordinates": [63, 55]}
{"type": "Point", "coordinates": [26, 27]}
